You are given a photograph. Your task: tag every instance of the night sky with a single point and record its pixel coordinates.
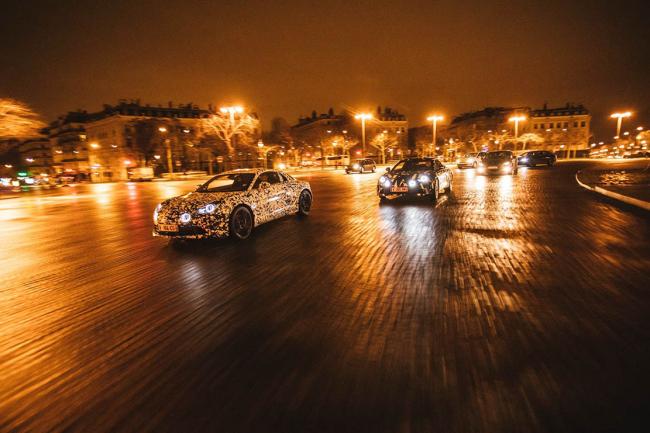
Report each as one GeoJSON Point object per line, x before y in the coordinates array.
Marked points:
{"type": "Point", "coordinates": [286, 58]}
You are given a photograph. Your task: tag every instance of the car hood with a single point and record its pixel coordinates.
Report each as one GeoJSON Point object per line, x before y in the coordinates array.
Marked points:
{"type": "Point", "coordinates": [190, 202]}
{"type": "Point", "coordinates": [497, 160]}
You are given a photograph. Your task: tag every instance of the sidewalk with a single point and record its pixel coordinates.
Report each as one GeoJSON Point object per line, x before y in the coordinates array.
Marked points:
{"type": "Point", "coordinates": [631, 186]}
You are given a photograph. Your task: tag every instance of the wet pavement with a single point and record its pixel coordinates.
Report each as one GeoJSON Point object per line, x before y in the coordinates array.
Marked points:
{"type": "Point", "coordinates": [515, 304]}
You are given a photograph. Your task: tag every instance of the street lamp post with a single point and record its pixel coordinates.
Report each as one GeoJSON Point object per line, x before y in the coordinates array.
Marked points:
{"type": "Point", "coordinates": [517, 119]}
{"type": "Point", "coordinates": [434, 122]}
{"type": "Point", "coordinates": [168, 149]}
{"type": "Point", "coordinates": [232, 110]}
{"type": "Point", "coordinates": [619, 121]}
{"type": "Point", "coordinates": [363, 117]}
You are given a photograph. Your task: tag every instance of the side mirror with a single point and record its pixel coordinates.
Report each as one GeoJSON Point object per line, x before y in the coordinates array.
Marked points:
{"type": "Point", "coordinates": [265, 185]}
{"type": "Point", "coordinates": [387, 169]}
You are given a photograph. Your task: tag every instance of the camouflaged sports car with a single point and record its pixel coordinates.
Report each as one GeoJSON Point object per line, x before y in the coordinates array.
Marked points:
{"type": "Point", "coordinates": [415, 177]}
{"type": "Point", "coordinates": [232, 204]}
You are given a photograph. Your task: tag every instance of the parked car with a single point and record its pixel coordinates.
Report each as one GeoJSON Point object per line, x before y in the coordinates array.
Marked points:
{"type": "Point", "coordinates": [500, 161]}
{"type": "Point", "coordinates": [469, 160]}
{"type": "Point", "coordinates": [415, 177]}
{"type": "Point", "coordinates": [232, 204]}
{"type": "Point", "coordinates": [361, 165]}
{"type": "Point", "coordinates": [537, 157]}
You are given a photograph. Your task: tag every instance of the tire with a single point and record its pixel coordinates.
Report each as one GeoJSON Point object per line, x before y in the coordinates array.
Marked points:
{"type": "Point", "coordinates": [304, 203]}
{"type": "Point", "coordinates": [241, 223]}
{"type": "Point", "coordinates": [435, 193]}
{"type": "Point", "coordinates": [361, 170]}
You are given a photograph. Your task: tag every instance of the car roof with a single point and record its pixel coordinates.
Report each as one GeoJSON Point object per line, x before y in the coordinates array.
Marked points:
{"type": "Point", "coordinates": [248, 170]}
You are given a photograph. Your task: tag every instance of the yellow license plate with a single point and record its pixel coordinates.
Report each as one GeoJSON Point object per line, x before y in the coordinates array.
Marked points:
{"type": "Point", "coordinates": [167, 228]}
{"type": "Point", "coordinates": [399, 189]}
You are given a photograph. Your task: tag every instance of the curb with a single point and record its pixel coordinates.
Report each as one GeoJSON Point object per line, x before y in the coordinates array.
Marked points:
{"type": "Point", "coordinates": [614, 195]}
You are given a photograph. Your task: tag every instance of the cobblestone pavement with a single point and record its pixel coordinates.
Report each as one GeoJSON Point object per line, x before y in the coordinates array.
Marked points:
{"type": "Point", "coordinates": [517, 304]}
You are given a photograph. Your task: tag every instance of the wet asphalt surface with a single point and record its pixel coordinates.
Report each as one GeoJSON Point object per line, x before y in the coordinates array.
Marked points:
{"type": "Point", "coordinates": [516, 304]}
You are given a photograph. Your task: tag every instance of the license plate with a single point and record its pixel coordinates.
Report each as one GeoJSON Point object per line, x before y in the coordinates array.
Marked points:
{"type": "Point", "coordinates": [167, 228]}
{"type": "Point", "coordinates": [492, 167]}
{"type": "Point", "coordinates": [399, 189]}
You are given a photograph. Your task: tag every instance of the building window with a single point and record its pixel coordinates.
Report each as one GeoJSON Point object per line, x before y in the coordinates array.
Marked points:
{"type": "Point", "coordinates": [535, 126]}
{"type": "Point", "coordinates": [550, 125]}
{"type": "Point", "coordinates": [558, 125]}
{"type": "Point", "coordinates": [583, 124]}
{"type": "Point", "coordinates": [575, 124]}
{"type": "Point", "coordinates": [566, 124]}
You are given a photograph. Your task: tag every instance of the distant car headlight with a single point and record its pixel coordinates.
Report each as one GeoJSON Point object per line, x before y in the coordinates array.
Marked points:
{"type": "Point", "coordinates": [281, 166]}
{"type": "Point", "coordinates": [424, 178]}
{"type": "Point", "coordinates": [470, 160]}
{"type": "Point", "coordinates": [386, 183]}
{"type": "Point", "coordinates": [185, 218]}
{"type": "Point", "coordinates": [383, 179]}
{"type": "Point", "coordinates": [480, 164]}
{"type": "Point", "coordinates": [524, 159]}
{"type": "Point", "coordinates": [155, 213]}
{"type": "Point", "coordinates": [412, 183]}
{"type": "Point", "coordinates": [506, 164]}
{"type": "Point", "coordinates": [355, 166]}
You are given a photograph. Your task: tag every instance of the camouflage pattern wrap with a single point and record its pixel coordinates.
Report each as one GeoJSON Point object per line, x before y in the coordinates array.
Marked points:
{"type": "Point", "coordinates": [279, 200]}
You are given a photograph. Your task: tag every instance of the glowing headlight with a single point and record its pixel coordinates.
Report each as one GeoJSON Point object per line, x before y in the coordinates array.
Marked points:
{"type": "Point", "coordinates": [470, 160]}
{"type": "Point", "coordinates": [155, 213]}
{"type": "Point", "coordinates": [424, 179]}
{"type": "Point", "coordinates": [506, 164]}
{"type": "Point", "coordinates": [185, 218]}
{"type": "Point", "coordinates": [383, 179]}
{"type": "Point", "coordinates": [387, 183]}
{"type": "Point", "coordinates": [524, 159]}
{"type": "Point", "coordinates": [412, 183]}
{"type": "Point", "coordinates": [480, 164]}
{"type": "Point", "coordinates": [209, 208]}
{"type": "Point", "coordinates": [355, 166]}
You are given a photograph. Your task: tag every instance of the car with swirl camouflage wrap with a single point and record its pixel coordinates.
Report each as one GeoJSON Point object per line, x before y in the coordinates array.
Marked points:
{"type": "Point", "coordinates": [232, 204]}
{"type": "Point", "coordinates": [415, 177]}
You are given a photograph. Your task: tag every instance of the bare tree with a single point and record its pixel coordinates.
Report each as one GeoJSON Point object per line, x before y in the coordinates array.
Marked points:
{"type": "Point", "coordinates": [230, 128]}
{"type": "Point", "coordinates": [383, 142]}
{"type": "Point", "coordinates": [529, 137]}
{"type": "Point", "coordinates": [17, 120]}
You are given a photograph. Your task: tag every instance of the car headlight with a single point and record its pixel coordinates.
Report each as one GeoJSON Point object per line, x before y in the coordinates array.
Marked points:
{"type": "Point", "coordinates": [208, 208]}
{"type": "Point", "coordinates": [412, 183]}
{"type": "Point", "coordinates": [383, 179]}
{"type": "Point", "coordinates": [155, 213]}
{"type": "Point", "coordinates": [470, 160]}
{"type": "Point", "coordinates": [424, 178]}
{"type": "Point", "coordinates": [185, 218]}
{"type": "Point", "coordinates": [355, 166]}
{"type": "Point", "coordinates": [387, 183]}
{"type": "Point", "coordinates": [480, 164]}
{"type": "Point", "coordinates": [524, 159]}
{"type": "Point", "coordinates": [506, 164]}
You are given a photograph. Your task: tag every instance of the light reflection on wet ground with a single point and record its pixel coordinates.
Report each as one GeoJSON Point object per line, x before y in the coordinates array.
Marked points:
{"type": "Point", "coordinates": [514, 304]}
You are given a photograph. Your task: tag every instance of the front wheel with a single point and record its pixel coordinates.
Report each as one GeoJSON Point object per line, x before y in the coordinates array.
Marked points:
{"type": "Point", "coordinates": [241, 223]}
{"type": "Point", "coordinates": [304, 203]}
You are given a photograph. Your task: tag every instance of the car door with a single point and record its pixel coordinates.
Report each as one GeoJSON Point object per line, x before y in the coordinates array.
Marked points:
{"type": "Point", "coordinates": [270, 196]}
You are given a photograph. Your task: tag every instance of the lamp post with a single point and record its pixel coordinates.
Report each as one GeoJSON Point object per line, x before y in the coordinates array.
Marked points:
{"type": "Point", "coordinates": [517, 119]}
{"type": "Point", "coordinates": [363, 117]}
{"type": "Point", "coordinates": [168, 148]}
{"type": "Point", "coordinates": [619, 121]}
{"type": "Point", "coordinates": [434, 122]}
{"type": "Point", "coordinates": [231, 111]}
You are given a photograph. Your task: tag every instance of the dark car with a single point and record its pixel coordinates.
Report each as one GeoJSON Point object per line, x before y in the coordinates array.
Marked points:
{"type": "Point", "coordinates": [469, 160]}
{"type": "Point", "coordinates": [499, 161]}
{"type": "Point", "coordinates": [361, 165]}
{"type": "Point", "coordinates": [415, 177]}
{"type": "Point", "coordinates": [537, 157]}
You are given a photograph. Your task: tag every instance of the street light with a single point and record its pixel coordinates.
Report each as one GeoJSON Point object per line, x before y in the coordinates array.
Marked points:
{"type": "Point", "coordinates": [363, 117]}
{"type": "Point", "coordinates": [619, 120]}
{"type": "Point", "coordinates": [517, 119]}
{"type": "Point", "coordinates": [170, 164]}
{"type": "Point", "coordinates": [434, 120]}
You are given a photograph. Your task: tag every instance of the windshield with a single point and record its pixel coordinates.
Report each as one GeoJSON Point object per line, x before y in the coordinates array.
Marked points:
{"type": "Point", "coordinates": [229, 182]}
{"type": "Point", "coordinates": [498, 155]}
{"type": "Point", "coordinates": [413, 165]}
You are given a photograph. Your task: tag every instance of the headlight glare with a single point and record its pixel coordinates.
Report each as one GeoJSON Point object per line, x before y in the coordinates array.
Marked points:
{"type": "Point", "coordinates": [424, 178]}
{"type": "Point", "coordinates": [185, 218]}
{"type": "Point", "coordinates": [412, 183]}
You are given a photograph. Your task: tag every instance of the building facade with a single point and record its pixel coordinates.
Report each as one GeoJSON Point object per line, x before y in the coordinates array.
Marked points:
{"type": "Point", "coordinates": [565, 130]}
{"type": "Point", "coordinates": [36, 156]}
{"type": "Point", "coordinates": [67, 136]}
